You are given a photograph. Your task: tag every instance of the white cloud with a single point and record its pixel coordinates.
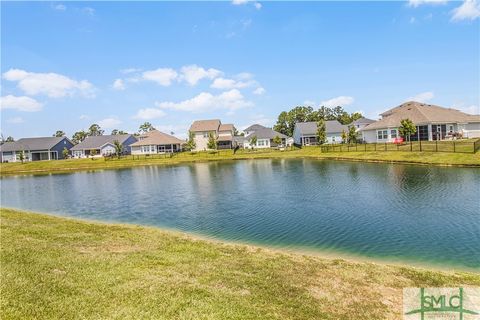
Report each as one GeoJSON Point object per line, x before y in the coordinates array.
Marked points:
{"type": "Point", "coordinates": [193, 73]}
{"type": "Point", "coordinates": [89, 11]}
{"type": "Point", "coordinates": [222, 83]}
{"type": "Point", "coordinates": [26, 104]}
{"type": "Point", "coordinates": [59, 7]}
{"type": "Point", "coordinates": [162, 76]}
{"type": "Point", "coordinates": [338, 101]}
{"type": "Point", "coordinates": [412, 20]}
{"type": "Point", "coordinates": [239, 2]}
{"type": "Point", "coordinates": [473, 109]}
{"type": "Point", "coordinates": [205, 101]}
{"type": "Point", "coordinates": [53, 85]}
{"type": "Point", "coordinates": [416, 3]}
{"type": "Point", "coordinates": [15, 120]}
{"type": "Point", "coordinates": [258, 5]}
{"type": "Point", "coordinates": [469, 10]}
{"type": "Point", "coordinates": [149, 113]}
{"type": "Point", "coordinates": [109, 123]}
{"type": "Point", "coordinates": [84, 117]}
{"type": "Point", "coordinates": [118, 84]}
{"type": "Point", "coordinates": [259, 91]}
{"type": "Point", "coordinates": [130, 70]}
{"type": "Point", "coordinates": [422, 97]}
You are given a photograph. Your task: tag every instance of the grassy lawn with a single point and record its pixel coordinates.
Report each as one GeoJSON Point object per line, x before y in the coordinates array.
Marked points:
{"type": "Point", "coordinates": [436, 158]}
{"type": "Point", "coordinates": [57, 268]}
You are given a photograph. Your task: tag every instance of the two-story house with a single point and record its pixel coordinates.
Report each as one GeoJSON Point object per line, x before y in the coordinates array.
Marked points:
{"type": "Point", "coordinates": [222, 133]}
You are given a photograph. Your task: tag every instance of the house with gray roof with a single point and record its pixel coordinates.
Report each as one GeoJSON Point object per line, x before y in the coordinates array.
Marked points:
{"type": "Point", "coordinates": [35, 149]}
{"type": "Point", "coordinates": [223, 133]}
{"type": "Point", "coordinates": [265, 137]}
{"type": "Point", "coordinates": [432, 122]}
{"type": "Point", "coordinates": [154, 142]}
{"type": "Point", "coordinates": [305, 133]}
{"type": "Point", "coordinates": [361, 123]}
{"type": "Point", "coordinates": [103, 145]}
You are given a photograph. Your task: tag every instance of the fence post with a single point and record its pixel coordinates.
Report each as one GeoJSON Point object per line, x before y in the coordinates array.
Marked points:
{"type": "Point", "coordinates": [420, 142]}
{"type": "Point", "coordinates": [454, 146]}
{"type": "Point", "coordinates": [411, 146]}
{"type": "Point", "coordinates": [436, 145]}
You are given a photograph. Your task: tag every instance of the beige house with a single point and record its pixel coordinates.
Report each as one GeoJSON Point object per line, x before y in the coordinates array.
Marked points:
{"type": "Point", "coordinates": [223, 133]}
{"type": "Point", "coordinates": [433, 123]}
{"type": "Point", "coordinates": [156, 142]}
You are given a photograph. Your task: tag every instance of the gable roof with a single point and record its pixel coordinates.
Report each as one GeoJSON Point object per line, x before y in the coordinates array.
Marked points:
{"type": "Point", "coordinates": [156, 137]}
{"type": "Point", "coordinates": [421, 113]}
{"type": "Point", "coordinates": [266, 133]}
{"type": "Point", "coordinates": [96, 142]}
{"type": "Point", "coordinates": [205, 125]}
{"type": "Point", "coordinates": [363, 120]}
{"type": "Point", "coordinates": [43, 143]}
{"type": "Point", "coordinates": [254, 127]}
{"type": "Point", "coordinates": [226, 127]}
{"type": "Point", "coordinates": [310, 128]}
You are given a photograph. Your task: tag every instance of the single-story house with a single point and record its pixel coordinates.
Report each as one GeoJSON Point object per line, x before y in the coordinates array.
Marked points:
{"type": "Point", "coordinates": [253, 128]}
{"type": "Point", "coordinates": [103, 145]}
{"type": "Point", "coordinates": [265, 138]}
{"type": "Point", "coordinates": [223, 133]}
{"type": "Point", "coordinates": [305, 133]}
{"type": "Point", "coordinates": [432, 122]}
{"type": "Point", "coordinates": [156, 142]}
{"type": "Point", "coordinates": [35, 149]}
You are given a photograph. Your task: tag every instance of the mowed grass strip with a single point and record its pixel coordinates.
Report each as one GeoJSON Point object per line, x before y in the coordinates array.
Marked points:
{"type": "Point", "coordinates": [57, 268]}
{"type": "Point", "coordinates": [416, 157]}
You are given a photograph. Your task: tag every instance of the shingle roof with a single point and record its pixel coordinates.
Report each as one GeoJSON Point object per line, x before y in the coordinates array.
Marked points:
{"type": "Point", "coordinates": [254, 127]}
{"type": "Point", "coordinates": [310, 128]}
{"type": "Point", "coordinates": [95, 142]}
{"type": "Point", "coordinates": [363, 120]}
{"type": "Point", "coordinates": [156, 137]}
{"type": "Point", "coordinates": [266, 133]}
{"type": "Point", "coordinates": [226, 127]}
{"type": "Point", "coordinates": [205, 125]}
{"type": "Point", "coordinates": [421, 113]}
{"type": "Point", "coordinates": [43, 143]}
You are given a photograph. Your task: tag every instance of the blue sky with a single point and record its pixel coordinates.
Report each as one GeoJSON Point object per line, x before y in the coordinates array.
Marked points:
{"type": "Point", "coordinates": [66, 65]}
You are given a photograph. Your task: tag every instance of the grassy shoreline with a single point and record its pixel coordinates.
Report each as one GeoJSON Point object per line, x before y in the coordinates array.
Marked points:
{"type": "Point", "coordinates": [55, 267]}
{"type": "Point", "coordinates": [404, 157]}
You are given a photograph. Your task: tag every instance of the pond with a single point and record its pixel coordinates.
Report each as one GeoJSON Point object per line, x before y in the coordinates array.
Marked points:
{"type": "Point", "coordinates": [397, 213]}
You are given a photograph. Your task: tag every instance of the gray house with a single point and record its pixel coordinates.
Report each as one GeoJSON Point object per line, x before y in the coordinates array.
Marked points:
{"type": "Point", "coordinates": [35, 149]}
{"type": "Point", "coordinates": [305, 133]}
{"type": "Point", "coordinates": [103, 145]}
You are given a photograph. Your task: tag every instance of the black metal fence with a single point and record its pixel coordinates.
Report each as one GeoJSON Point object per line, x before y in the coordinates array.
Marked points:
{"type": "Point", "coordinates": [460, 146]}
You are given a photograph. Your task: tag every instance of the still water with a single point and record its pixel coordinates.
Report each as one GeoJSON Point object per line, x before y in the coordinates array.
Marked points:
{"type": "Point", "coordinates": [398, 213]}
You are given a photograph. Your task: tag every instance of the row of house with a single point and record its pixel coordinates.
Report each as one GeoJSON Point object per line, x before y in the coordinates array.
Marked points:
{"type": "Point", "coordinates": [433, 123]}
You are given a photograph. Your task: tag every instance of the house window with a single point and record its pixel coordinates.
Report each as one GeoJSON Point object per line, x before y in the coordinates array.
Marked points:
{"type": "Point", "coordinates": [382, 134]}
{"type": "Point", "coordinates": [393, 133]}
{"type": "Point", "coordinates": [450, 128]}
{"type": "Point", "coordinates": [205, 134]}
{"type": "Point", "coordinates": [333, 138]}
{"type": "Point", "coordinates": [261, 143]}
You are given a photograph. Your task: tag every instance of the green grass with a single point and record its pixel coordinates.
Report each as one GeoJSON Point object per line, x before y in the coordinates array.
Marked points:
{"type": "Point", "coordinates": [57, 268]}
{"type": "Point", "coordinates": [58, 166]}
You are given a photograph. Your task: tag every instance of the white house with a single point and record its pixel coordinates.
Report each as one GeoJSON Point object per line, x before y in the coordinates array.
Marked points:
{"type": "Point", "coordinates": [305, 133]}
{"type": "Point", "coordinates": [154, 142]}
{"type": "Point", "coordinates": [432, 122]}
{"type": "Point", "coordinates": [103, 145]}
{"type": "Point", "coordinates": [265, 137]}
